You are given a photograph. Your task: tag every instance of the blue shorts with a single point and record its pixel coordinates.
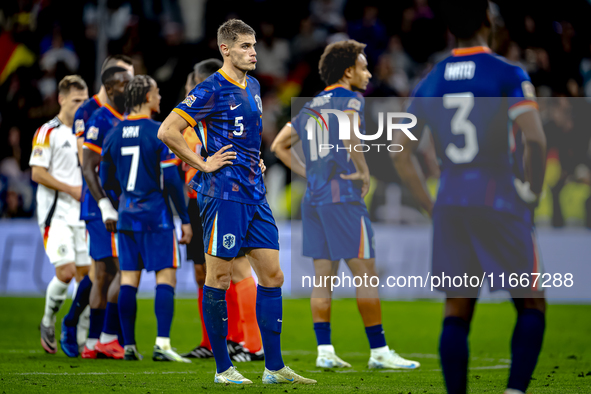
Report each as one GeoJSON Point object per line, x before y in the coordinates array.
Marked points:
{"type": "Point", "coordinates": [480, 241]}
{"type": "Point", "coordinates": [337, 231]}
{"type": "Point", "coordinates": [152, 251]}
{"type": "Point", "coordinates": [229, 226]}
{"type": "Point", "coordinates": [102, 244]}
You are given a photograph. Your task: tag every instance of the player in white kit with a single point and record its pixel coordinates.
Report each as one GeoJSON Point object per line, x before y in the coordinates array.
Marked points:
{"type": "Point", "coordinates": [55, 167]}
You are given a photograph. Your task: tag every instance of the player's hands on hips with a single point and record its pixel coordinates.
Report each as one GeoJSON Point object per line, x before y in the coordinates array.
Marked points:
{"type": "Point", "coordinates": [75, 192]}
{"type": "Point", "coordinates": [219, 159]}
{"type": "Point", "coordinates": [187, 231]}
{"type": "Point", "coordinates": [262, 166]}
{"type": "Point", "coordinates": [359, 176]}
{"type": "Point", "coordinates": [524, 191]}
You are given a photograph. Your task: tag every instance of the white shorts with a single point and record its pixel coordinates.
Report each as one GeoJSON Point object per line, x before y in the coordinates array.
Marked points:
{"type": "Point", "coordinates": [65, 243]}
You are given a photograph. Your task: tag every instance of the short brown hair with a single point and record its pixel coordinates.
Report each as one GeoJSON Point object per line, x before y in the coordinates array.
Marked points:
{"type": "Point", "coordinates": [338, 57]}
{"type": "Point", "coordinates": [229, 31]}
{"type": "Point", "coordinates": [112, 60]}
{"type": "Point", "coordinates": [69, 82]}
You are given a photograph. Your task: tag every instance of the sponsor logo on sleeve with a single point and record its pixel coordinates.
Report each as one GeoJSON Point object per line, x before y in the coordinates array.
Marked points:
{"type": "Point", "coordinates": [259, 103]}
{"type": "Point", "coordinates": [37, 152]}
{"type": "Point", "coordinates": [529, 92]}
{"type": "Point", "coordinates": [79, 126]}
{"type": "Point", "coordinates": [189, 100]}
{"type": "Point", "coordinates": [92, 133]}
{"type": "Point", "coordinates": [355, 104]}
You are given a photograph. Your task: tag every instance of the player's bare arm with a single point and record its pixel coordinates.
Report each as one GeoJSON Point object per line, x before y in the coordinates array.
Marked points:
{"type": "Point", "coordinates": [405, 165]}
{"type": "Point", "coordinates": [535, 149]}
{"type": "Point", "coordinates": [91, 160]}
{"type": "Point", "coordinates": [358, 158]}
{"type": "Point", "coordinates": [43, 177]}
{"type": "Point", "coordinates": [80, 145]}
{"type": "Point", "coordinates": [281, 146]}
{"type": "Point", "coordinates": [170, 133]}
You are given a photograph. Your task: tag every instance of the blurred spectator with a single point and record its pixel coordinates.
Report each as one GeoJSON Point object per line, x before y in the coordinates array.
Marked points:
{"type": "Point", "coordinates": [272, 56]}
{"type": "Point", "coordinates": [371, 31]}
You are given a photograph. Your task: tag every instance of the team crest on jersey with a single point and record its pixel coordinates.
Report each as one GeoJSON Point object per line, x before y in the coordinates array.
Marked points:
{"type": "Point", "coordinates": [92, 133]}
{"type": "Point", "coordinates": [79, 126]}
{"type": "Point", "coordinates": [229, 241]}
{"type": "Point", "coordinates": [259, 102]}
{"type": "Point", "coordinates": [189, 100]}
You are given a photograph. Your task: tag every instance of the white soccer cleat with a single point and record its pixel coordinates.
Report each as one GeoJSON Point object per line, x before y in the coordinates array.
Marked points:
{"type": "Point", "coordinates": [327, 358]}
{"type": "Point", "coordinates": [168, 355]}
{"type": "Point", "coordinates": [391, 360]}
{"type": "Point", "coordinates": [284, 375]}
{"type": "Point", "coordinates": [232, 376]}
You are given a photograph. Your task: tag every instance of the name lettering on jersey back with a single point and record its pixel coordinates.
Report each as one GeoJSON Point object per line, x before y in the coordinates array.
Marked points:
{"type": "Point", "coordinates": [320, 101]}
{"type": "Point", "coordinates": [459, 71]}
{"type": "Point", "coordinates": [131, 131]}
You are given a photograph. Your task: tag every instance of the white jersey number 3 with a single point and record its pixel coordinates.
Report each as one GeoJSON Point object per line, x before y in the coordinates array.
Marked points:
{"type": "Point", "coordinates": [460, 125]}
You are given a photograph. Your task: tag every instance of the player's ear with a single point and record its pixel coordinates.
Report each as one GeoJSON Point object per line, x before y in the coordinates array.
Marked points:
{"type": "Point", "coordinates": [60, 99]}
{"type": "Point", "coordinates": [225, 49]}
{"type": "Point", "coordinates": [349, 72]}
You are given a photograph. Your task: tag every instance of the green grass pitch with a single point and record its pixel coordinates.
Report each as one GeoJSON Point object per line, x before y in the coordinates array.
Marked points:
{"type": "Point", "coordinates": [412, 328]}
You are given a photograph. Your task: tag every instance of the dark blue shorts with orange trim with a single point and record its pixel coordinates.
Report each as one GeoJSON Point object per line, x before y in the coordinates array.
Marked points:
{"type": "Point", "coordinates": [102, 244]}
{"type": "Point", "coordinates": [337, 231]}
{"type": "Point", "coordinates": [152, 251]}
{"type": "Point", "coordinates": [229, 226]}
{"type": "Point", "coordinates": [477, 241]}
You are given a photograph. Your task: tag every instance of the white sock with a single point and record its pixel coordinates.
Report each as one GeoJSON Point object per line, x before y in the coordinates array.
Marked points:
{"type": "Point", "coordinates": [83, 326]}
{"type": "Point", "coordinates": [91, 343]}
{"type": "Point", "coordinates": [76, 283]}
{"type": "Point", "coordinates": [163, 343]}
{"type": "Point", "coordinates": [325, 349]}
{"type": "Point", "coordinates": [54, 298]}
{"type": "Point", "coordinates": [513, 391]}
{"type": "Point", "coordinates": [106, 338]}
{"type": "Point", "coordinates": [380, 351]}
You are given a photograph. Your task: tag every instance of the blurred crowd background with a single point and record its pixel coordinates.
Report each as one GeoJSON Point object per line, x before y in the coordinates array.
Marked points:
{"type": "Point", "coordinates": [41, 41]}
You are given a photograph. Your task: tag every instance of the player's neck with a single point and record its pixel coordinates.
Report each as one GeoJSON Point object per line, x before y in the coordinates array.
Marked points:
{"type": "Point", "coordinates": [102, 95]}
{"type": "Point", "coordinates": [478, 40]}
{"type": "Point", "coordinates": [344, 83]}
{"type": "Point", "coordinates": [234, 73]}
{"type": "Point", "coordinates": [141, 111]}
{"type": "Point", "coordinates": [65, 119]}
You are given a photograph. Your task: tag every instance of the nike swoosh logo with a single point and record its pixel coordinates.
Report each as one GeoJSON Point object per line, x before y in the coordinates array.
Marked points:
{"type": "Point", "coordinates": [234, 381]}
{"type": "Point", "coordinates": [280, 321]}
{"type": "Point", "coordinates": [233, 107]}
{"type": "Point", "coordinates": [224, 319]}
{"type": "Point", "coordinates": [291, 380]}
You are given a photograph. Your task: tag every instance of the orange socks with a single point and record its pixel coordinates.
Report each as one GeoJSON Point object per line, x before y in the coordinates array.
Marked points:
{"type": "Point", "coordinates": [246, 295]}
{"type": "Point", "coordinates": [205, 338]}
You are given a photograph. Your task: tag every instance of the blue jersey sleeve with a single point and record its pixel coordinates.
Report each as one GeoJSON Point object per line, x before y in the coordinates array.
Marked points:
{"type": "Point", "coordinates": [520, 92]}
{"type": "Point", "coordinates": [78, 127]}
{"type": "Point", "coordinates": [94, 135]}
{"type": "Point", "coordinates": [197, 105]}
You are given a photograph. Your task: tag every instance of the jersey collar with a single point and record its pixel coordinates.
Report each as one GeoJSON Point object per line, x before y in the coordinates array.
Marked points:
{"type": "Point", "coordinates": [470, 51]}
{"type": "Point", "coordinates": [136, 117]}
{"type": "Point", "coordinates": [113, 111]}
{"type": "Point", "coordinates": [334, 86]}
{"type": "Point", "coordinates": [95, 97]}
{"type": "Point", "coordinates": [231, 80]}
